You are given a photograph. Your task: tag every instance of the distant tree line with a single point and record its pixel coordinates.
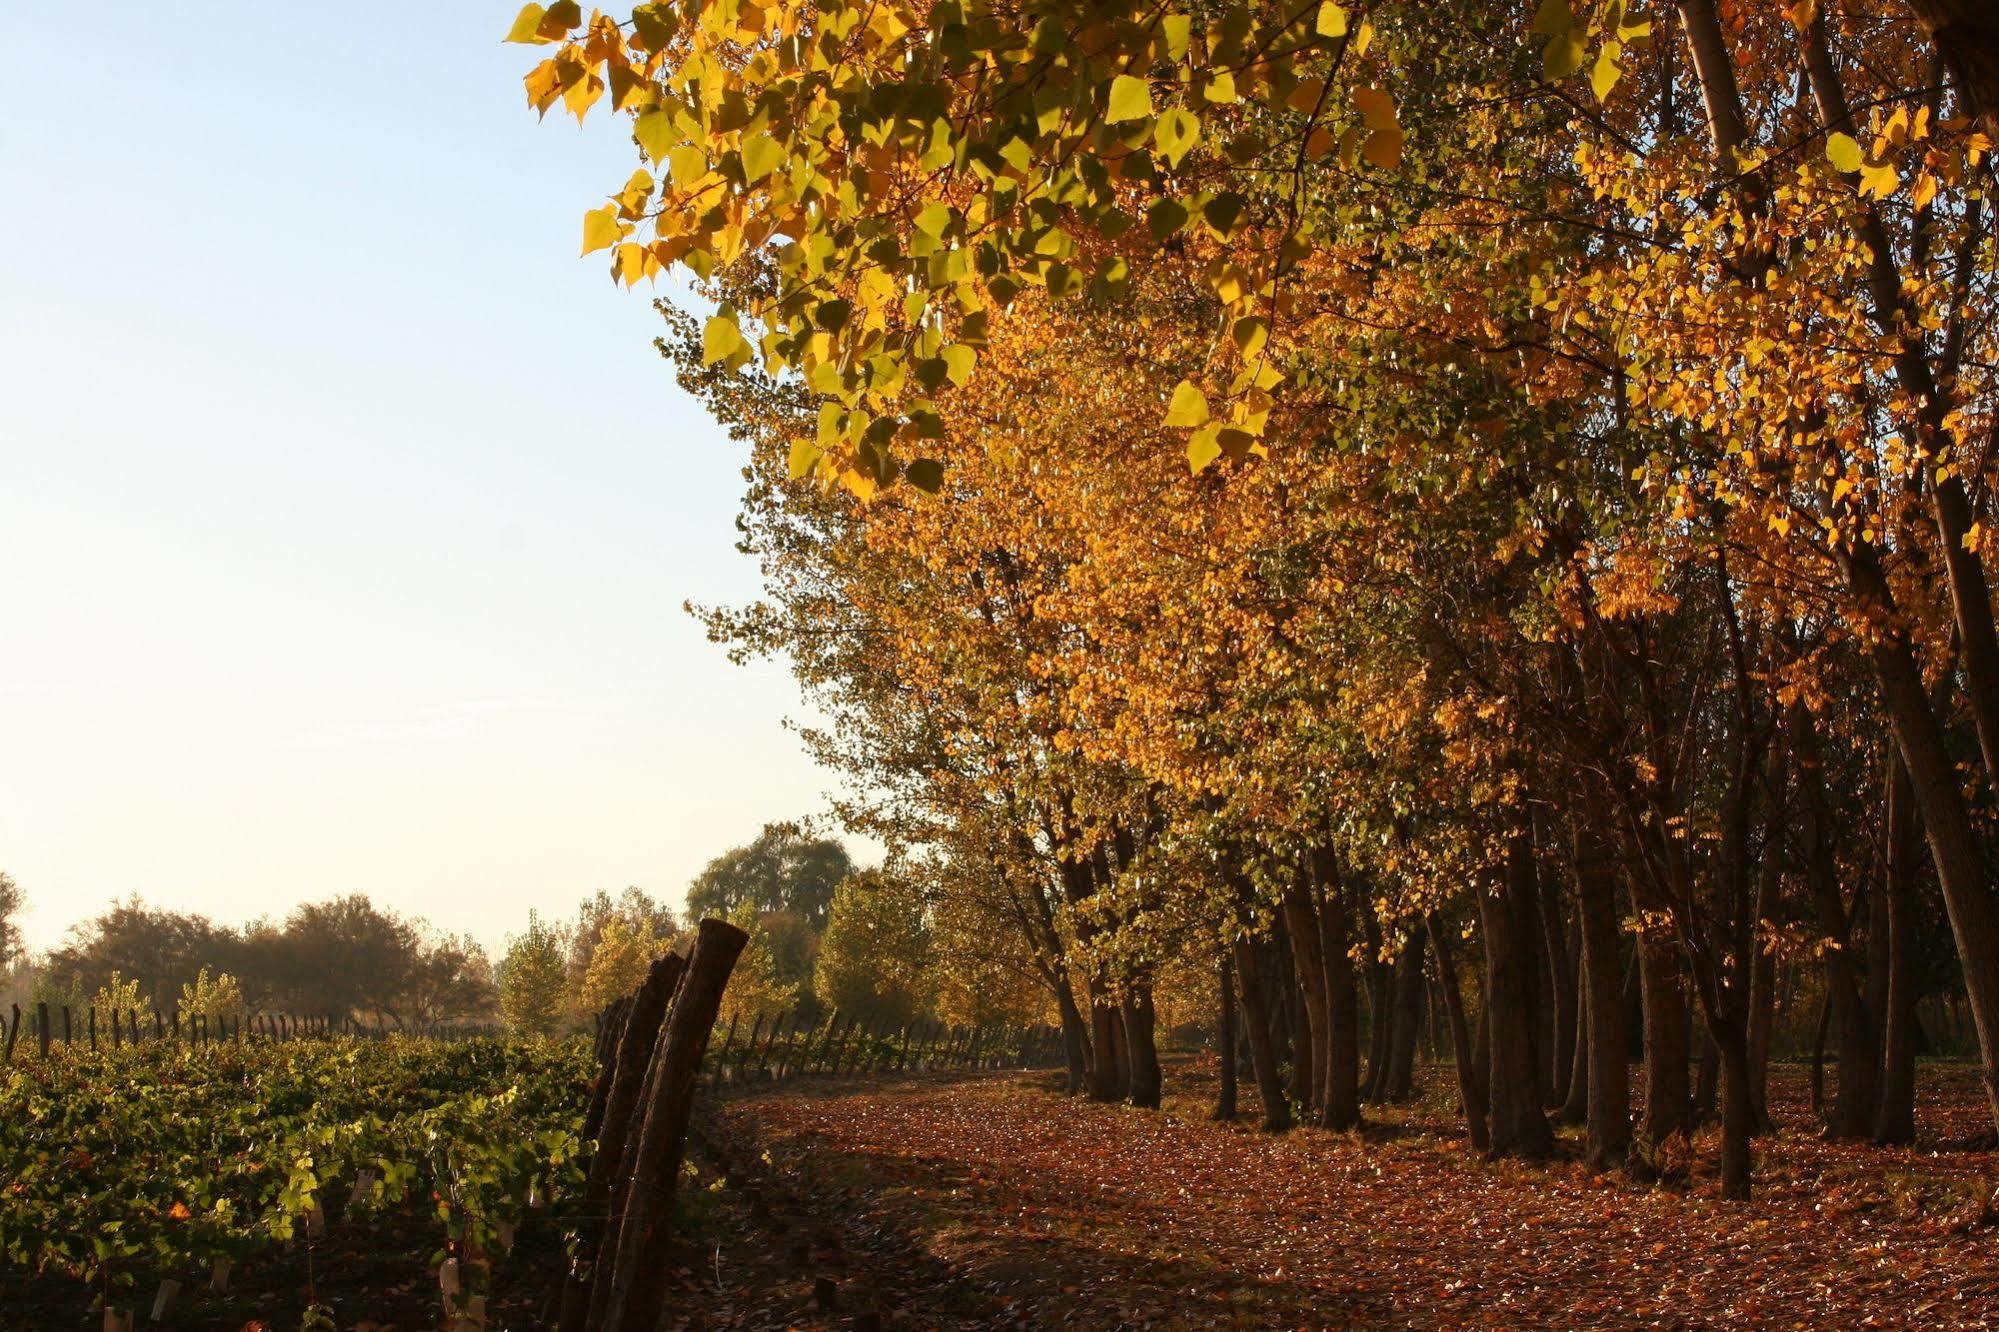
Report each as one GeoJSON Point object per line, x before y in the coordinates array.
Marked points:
{"type": "Point", "coordinates": [892, 944]}
{"type": "Point", "coordinates": [344, 956]}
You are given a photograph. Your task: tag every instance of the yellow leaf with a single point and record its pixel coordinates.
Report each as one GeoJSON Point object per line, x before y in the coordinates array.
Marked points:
{"type": "Point", "coordinates": [720, 339]}
{"type": "Point", "coordinates": [1130, 99]}
{"type": "Point", "coordinates": [1203, 448]}
{"type": "Point", "coordinates": [655, 133]}
{"type": "Point", "coordinates": [631, 263]}
{"type": "Point", "coordinates": [686, 164]}
{"type": "Point", "coordinates": [601, 228]}
{"type": "Point", "coordinates": [805, 456]}
{"type": "Point", "coordinates": [1384, 148]}
{"type": "Point", "coordinates": [543, 82]}
{"type": "Point", "coordinates": [1843, 151]}
{"type": "Point", "coordinates": [1332, 21]}
{"type": "Point", "coordinates": [561, 17]}
{"type": "Point", "coordinates": [1603, 75]}
{"type": "Point", "coordinates": [761, 154]}
{"type": "Point", "coordinates": [1377, 108]}
{"type": "Point", "coordinates": [1878, 180]}
{"type": "Point", "coordinates": [1189, 406]}
{"type": "Point", "coordinates": [526, 26]}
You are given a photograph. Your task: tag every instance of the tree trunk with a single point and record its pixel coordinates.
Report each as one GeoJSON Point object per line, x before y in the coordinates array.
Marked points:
{"type": "Point", "coordinates": [1519, 1128]}
{"type": "Point", "coordinates": [1301, 924]}
{"type": "Point", "coordinates": [1408, 1020]}
{"type": "Point", "coordinates": [1763, 962]}
{"type": "Point", "coordinates": [1107, 1069]}
{"type": "Point", "coordinates": [1668, 1098]}
{"type": "Point", "coordinates": [1608, 1131]}
{"type": "Point", "coordinates": [1471, 1084]}
{"type": "Point", "coordinates": [1380, 1006]}
{"type": "Point", "coordinates": [1738, 1109]}
{"type": "Point", "coordinates": [1262, 1049]}
{"type": "Point", "coordinates": [1558, 994]}
{"type": "Point", "coordinates": [1954, 845]}
{"type": "Point", "coordinates": [639, 1268]}
{"type": "Point", "coordinates": [1575, 1103]}
{"type": "Point", "coordinates": [1853, 1108]}
{"type": "Point", "coordinates": [1075, 1036]}
{"type": "Point", "coordinates": [1139, 1024]}
{"type": "Point", "coordinates": [1225, 1041]}
{"type": "Point", "coordinates": [1707, 1080]}
{"type": "Point", "coordinates": [1340, 1077]}
{"type": "Point", "coordinates": [1966, 33]}
{"type": "Point", "coordinates": [1895, 1115]}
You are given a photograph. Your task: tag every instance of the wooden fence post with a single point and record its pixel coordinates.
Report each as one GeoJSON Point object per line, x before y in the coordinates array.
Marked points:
{"type": "Point", "coordinates": [763, 1060]}
{"type": "Point", "coordinates": [42, 1022]}
{"type": "Point", "coordinates": [13, 1031]}
{"type": "Point", "coordinates": [637, 1032]}
{"type": "Point", "coordinates": [93, 1029]}
{"type": "Point", "coordinates": [641, 1227]}
{"type": "Point", "coordinates": [68, 1038]}
{"type": "Point", "coordinates": [610, 1023]}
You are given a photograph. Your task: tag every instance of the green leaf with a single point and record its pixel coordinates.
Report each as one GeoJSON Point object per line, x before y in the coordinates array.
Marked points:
{"type": "Point", "coordinates": [1131, 99]}
{"type": "Point", "coordinates": [1250, 333]}
{"type": "Point", "coordinates": [655, 25]}
{"type": "Point", "coordinates": [1332, 21]}
{"type": "Point", "coordinates": [1553, 18]}
{"type": "Point", "coordinates": [1189, 406]}
{"type": "Point", "coordinates": [720, 339]}
{"type": "Point", "coordinates": [1843, 151]}
{"type": "Point", "coordinates": [761, 154]}
{"type": "Point", "coordinates": [934, 219]}
{"type": "Point", "coordinates": [1564, 55]}
{"type": "Point", "coordinates": [1165, 218]}
{"type": "Point", "coordinates": [1223, 211]}
{"type": "Point", "coordinates": [926, 474]}
{"type": "Point", "coordinates": [526, 25]}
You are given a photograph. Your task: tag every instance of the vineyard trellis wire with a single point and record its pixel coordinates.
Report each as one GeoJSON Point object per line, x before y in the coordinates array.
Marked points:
{"type": "Point", "coordinates": [53, 1026]}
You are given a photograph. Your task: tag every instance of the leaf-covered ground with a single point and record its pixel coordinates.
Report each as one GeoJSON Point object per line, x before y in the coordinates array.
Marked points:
{"type": "Point", "coordinates": [995, 1201]}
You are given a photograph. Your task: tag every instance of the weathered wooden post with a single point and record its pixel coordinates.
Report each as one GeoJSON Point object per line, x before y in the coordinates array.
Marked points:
{"type": "Point", "coordinates": [610, 1025]}
{"type": "Point", "coordinates": [637, 1032]}
{"type": "Point", "coordinates": [42, 1023]}
{"type": "Point", "coordinates": [640, 1228]}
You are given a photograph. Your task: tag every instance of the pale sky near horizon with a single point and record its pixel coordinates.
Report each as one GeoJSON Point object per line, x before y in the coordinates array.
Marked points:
{"type": "Point", "coordinates": [345, 514]}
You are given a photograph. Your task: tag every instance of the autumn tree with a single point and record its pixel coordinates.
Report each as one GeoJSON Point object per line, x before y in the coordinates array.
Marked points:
{"type": "Point", "coordinates": [532, 979]}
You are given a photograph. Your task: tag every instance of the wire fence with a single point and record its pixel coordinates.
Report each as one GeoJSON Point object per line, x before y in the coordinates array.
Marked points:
{"type": "Point", "coordinates": [50, 1027]}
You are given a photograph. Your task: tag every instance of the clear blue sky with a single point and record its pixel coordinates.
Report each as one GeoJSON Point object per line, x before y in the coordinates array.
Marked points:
{"type": "Point", "coordinates": [345, 514]}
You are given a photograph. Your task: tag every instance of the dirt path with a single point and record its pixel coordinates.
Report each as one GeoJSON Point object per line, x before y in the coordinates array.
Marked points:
{"type": "Point", "coordinates": [995, 1201]}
